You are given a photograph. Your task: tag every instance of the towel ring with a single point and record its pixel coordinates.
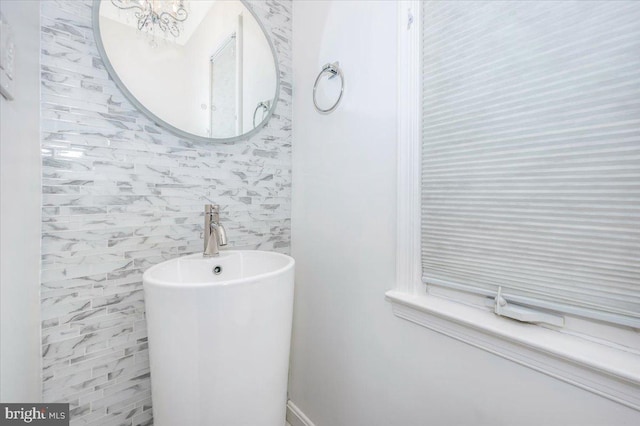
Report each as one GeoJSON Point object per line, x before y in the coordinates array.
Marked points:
{"type": "Point", "coordinates": [332, 69]}
{"type": "Point", "coordinates": [264, 106]}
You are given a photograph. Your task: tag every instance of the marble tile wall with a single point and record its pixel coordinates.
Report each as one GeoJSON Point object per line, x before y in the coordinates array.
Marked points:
{"type": "Point", "coordinates": [121, 194]}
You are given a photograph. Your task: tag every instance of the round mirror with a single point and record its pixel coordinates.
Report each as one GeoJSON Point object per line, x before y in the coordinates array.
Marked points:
{"type": "Point", "coordinates": [204, 69]}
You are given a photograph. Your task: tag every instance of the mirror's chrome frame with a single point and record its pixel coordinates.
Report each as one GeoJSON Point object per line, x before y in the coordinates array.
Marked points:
{"type": "Point", "coordinates": [95, 19]}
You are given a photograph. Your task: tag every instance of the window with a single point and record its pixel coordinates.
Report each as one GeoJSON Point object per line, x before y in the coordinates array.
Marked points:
{"type": "Point", "coordinates": [519, 183]}
{"type": "Point", "coordinates": [531, 153]}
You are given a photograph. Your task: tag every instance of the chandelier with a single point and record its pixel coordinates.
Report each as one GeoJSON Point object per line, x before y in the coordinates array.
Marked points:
{"type": "Point", "coordinates": [166, 14]}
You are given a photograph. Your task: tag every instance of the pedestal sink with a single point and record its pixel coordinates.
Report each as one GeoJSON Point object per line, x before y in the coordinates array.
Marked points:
{"type": "Point", "coordinates": [219, 337]}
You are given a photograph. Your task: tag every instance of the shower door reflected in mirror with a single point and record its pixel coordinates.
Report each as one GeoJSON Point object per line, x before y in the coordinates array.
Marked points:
{"type": "Point", "coordinates": [226, 88]}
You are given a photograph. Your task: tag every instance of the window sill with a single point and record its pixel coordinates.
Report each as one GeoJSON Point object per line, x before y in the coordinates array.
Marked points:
{"type": "Point", "coordinates": [607, 371]}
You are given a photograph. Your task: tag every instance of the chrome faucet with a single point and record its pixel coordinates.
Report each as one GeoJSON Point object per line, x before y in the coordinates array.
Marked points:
{"type": "Point", "coordinates": [214, 233]}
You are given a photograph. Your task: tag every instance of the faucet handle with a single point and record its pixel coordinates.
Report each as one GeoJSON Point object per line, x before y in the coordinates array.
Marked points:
{"type": "Point", "coordinates": [212, 211]}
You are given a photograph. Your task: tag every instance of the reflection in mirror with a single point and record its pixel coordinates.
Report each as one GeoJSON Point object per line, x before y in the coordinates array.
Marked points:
{"type": "Point", "coordinates": [226, 68]}
{"type": "Point", "coordinates": [199, 67]}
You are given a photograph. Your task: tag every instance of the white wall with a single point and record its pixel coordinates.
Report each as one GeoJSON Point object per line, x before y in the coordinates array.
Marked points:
{"type": "Point", "coordinates": [353, 362]}
{"type": "Point", "coordinates": [20, 374]}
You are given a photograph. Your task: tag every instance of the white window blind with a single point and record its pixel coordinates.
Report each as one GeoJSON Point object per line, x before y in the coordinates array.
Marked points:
{"type": "Point", "coordinates": [531, 153]}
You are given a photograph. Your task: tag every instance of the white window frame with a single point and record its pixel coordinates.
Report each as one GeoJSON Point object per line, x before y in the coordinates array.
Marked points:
{"type": "Point", "coordinates": [585, 354]}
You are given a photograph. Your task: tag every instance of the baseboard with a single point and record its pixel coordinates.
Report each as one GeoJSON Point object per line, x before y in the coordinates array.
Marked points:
{"type": "Point", "coordinates": [296, 417]}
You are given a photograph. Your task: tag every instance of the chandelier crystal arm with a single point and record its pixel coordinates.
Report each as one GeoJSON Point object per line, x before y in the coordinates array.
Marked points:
{"type": "Point", "coordinates": [179, 15]}
{"type": "Point", "coordinates": [126, 4]}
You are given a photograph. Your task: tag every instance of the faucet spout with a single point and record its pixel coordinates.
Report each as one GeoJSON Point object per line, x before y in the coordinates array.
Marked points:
{"type": "Point", "coordinates": [214, 233]}
{"type": "Point", "coordinates": [222, 235]}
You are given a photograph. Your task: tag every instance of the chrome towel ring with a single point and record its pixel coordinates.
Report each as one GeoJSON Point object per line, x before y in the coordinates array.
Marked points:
{"type": "Point", "coordinates": [333, 70]}
{"type": "Point", "coordinates": [264, 107]}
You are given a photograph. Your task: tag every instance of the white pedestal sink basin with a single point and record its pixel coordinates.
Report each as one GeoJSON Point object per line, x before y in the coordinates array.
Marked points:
{"type": "Point", "coordinates": [219, 337]}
